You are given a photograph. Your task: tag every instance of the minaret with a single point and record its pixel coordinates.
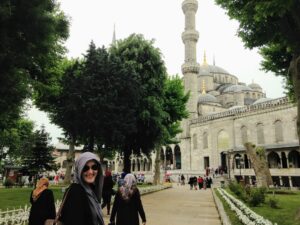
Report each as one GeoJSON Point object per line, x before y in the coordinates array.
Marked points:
{"type": "Point", "coordinates": [114, 36]}
{"type": "Point", "coordinates": [190, 67]}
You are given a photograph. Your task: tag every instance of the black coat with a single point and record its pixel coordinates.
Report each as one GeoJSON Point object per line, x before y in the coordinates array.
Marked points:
{"type": "Point", "coordinates": [43, 208]}
{"type": "Point", "coordinates": [128, 211]}
{"type": "Point", "coordinates": [76, 209]}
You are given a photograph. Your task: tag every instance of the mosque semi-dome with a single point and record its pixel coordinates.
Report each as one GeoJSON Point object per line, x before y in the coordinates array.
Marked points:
{"type": "Point", "coordinates": [237, 88]}
{"type": "Point", "coordinates": [214, 93]}
{"type": "Point", "coordinates": [261, 100]}
{"type": "Point", "coordinates": [207, 98]}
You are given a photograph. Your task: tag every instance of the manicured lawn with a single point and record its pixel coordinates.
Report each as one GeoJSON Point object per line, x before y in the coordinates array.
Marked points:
{"type": "Point", "coordinates": [288, 212]}
{"type": "Point", "coordinates": [16, 197]}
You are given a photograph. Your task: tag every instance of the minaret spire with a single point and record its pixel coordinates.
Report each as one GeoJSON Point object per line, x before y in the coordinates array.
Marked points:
{"type": "Point", "coordinates": [214, 60]}
{"type": "Point", "coordinates": [114, 35]}
{"type": "Point", "coordinates": [204, 58]}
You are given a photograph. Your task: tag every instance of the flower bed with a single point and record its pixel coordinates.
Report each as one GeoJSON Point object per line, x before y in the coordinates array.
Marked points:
{"type": "Point", "coordinates": [246, 215]}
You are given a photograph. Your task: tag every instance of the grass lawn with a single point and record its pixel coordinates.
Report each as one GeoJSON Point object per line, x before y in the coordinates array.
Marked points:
{"type": "Point", "coordinates": [288, 212]}
{"type": "Point", "coordinates": [16, 197]}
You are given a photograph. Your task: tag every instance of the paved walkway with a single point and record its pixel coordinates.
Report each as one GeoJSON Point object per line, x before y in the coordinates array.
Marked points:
{"type": "Point", "coordinates": [180, 206]}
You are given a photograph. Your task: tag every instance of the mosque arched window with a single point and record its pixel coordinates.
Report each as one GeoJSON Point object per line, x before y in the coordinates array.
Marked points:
{"type": "Point", "coordinates": [278, 131]}
{"type": "Point", "coordinates": [260, 133]}
{"type": "Point", "coordinates": [205, 140]}
{"type": "Point", "coordinates": [195, 141]}
{"type": "Point", "coordinates": [244, 134]}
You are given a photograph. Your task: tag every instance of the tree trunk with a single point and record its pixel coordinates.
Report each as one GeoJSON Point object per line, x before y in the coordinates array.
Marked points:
{"type": "Point", "coordinates": [156, 176]}
{"type": "Point", "coordinates": [127, 163]}
{"type": "Point", "coordinates": [260, 166]}
{"type": "Point", "coordinates": [70, 161]}
{"type": "Point", "coordinates": [294, 70]}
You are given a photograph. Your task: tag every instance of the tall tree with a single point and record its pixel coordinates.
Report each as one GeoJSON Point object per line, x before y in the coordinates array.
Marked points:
{"type": "Point", "coordinates": [39, 158]}
{"type": "Point", "coordinates": [142, 61]}
{"type": "Point", "coordinates": [273, 27]}
{"type": "Point", "coordinates": [31, 35]}
{"type": "Point", "coordinates": [175, 108]}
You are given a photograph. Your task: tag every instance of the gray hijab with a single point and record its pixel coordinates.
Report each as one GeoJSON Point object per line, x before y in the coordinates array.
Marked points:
{"type": "Point", "coordinates": [94, 197]}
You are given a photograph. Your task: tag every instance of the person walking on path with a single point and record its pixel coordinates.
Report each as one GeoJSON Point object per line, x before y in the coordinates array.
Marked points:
{"type": "Point", "coordinates": [42, 203]}
{"type": "Point", "coordinates": [107, 191]}
{"type": "Point", "coordinates": [200, 182]}
{"type": "Point", "coordinates": [82, 204]}
{"type": "Point", "coordinates": [128, 205]}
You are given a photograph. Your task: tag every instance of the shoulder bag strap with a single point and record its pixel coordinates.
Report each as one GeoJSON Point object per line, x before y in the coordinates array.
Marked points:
{"type": "Point", "coordinates": [61, 206]}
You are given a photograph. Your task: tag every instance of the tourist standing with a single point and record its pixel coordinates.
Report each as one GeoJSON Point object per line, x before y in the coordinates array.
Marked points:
{"type": "Point", "coordinates": [107, 191]}
{"type": "Point", "coordinates": [82, 205]}
{"type": "Point", "coordinates": [42, 203]}
{"type": "Point", "coordinates": [128, 205]}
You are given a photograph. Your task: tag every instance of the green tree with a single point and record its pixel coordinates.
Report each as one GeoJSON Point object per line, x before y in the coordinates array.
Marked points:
{"type": "Point", "coordinates": [15, 142]}
{"type": "Point", "coordinates": [143, 62]}
{"type": "Point", "coordinates": [31, 35]}
{"type": "Point", "coordinates": [175, 110]}
{"type": "Point", "coordinates": [39, 158]}
{"type": "Point", "coordinates": [273, 27]}
{"type": "Point", "coordinates": [63, 103]}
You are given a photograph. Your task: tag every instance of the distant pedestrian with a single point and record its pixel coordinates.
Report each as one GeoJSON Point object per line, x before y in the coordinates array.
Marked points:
{"type": "Point", "coordinates": [107, 191]}
{"type": "Point", "coordinates": [82, 205]}
{"type": "Point", "coordinates": [42, 203]}
{"type": "Point", "coordinates": [182, 179]}
{"type": "Point", "coordinates": [128, 205]}
{"type": "Point", "coordinates": [200, 182]}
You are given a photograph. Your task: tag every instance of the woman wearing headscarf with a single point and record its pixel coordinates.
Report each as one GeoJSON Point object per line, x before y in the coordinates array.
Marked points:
{"type": "Point", "coordinates": [128, 205]}
{"type": "Point", "coordinates": [82, 205]}
{"type": "Point", "coordinates": [42, 203]}
{"type": "Point", "coordinates": [107, 190]}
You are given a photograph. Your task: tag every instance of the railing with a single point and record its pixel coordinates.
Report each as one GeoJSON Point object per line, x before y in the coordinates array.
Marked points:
{"type": "Point", "coordinates": [20, 216]}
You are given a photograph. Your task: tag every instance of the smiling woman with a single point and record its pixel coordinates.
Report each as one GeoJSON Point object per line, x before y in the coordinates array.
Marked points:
{"type": "Point", "coordinates": [82, 205]}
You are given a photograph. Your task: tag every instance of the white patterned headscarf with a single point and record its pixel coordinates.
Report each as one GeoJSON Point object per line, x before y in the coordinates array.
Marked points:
{"type": "Point", "coordinates": [128, 187]}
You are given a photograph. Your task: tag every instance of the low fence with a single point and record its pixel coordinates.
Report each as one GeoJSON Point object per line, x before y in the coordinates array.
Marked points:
{"type": "Point", "coordinates": [20, 215]}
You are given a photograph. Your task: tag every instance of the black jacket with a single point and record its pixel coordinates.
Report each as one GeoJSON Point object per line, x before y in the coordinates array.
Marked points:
{"type": "Point", "coordinates": [128, 211]}
{"type": "Point", "coordinates": [43, 208]}
{"type": "Point", "coordinates": [76, 209]}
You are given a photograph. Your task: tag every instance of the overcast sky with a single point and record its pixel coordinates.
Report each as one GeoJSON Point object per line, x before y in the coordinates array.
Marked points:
{"type": "Point", "coordinates": [163, 21]}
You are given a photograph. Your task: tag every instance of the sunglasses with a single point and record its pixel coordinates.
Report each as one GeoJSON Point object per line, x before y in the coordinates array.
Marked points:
{"type": "Point", "coordinates": [87, 168]}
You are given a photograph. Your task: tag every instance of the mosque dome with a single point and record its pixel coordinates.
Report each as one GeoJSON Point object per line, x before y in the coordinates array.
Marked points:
{"type": "Point", "coordinates": [255, 86]}
{"type": "Point", "coordinates": [261, 100]}
{"type": "Point", "coordinates": [237, 88]}
{"type": "Point", "coordinates": [204, 71]}
{"type": "Point", "coordinates": [207, 98]}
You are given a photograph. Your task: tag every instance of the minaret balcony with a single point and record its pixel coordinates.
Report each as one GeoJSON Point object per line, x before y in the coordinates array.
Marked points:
{"type": "Point", "coordinates": [190, 5]}
{"type": "Point", "coordinates": [190, 67]}
{"type": "Point", "coordinates": [190, 35]}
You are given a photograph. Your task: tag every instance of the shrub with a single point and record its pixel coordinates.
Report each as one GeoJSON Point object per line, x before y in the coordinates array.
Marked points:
{"type": "Point", "coordinates": [273, 203]}
{"type": "Point", "coordinates": [257, 196]}
{"type": "Point", "coordinates": [8, 183]}
{"type": "Point", "coordinates": [236, 188]}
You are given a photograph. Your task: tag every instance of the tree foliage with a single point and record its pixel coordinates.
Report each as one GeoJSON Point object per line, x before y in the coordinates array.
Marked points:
{"type": "Point", "coordinates": [31, 35]}
{"type": "Point", "coordinates": [139, 59]}
{"type": "Point", "coordinates": [39, 158]}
